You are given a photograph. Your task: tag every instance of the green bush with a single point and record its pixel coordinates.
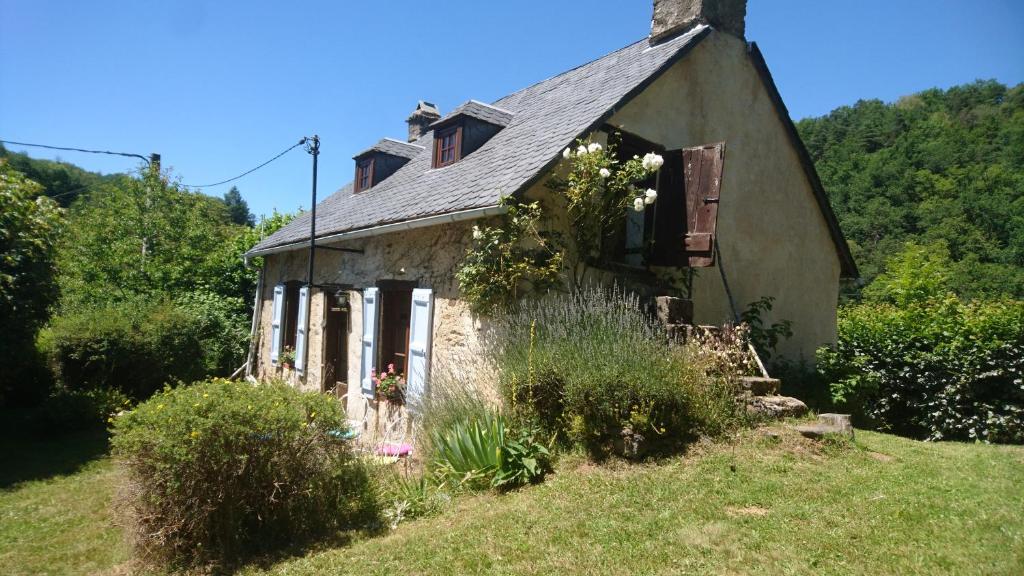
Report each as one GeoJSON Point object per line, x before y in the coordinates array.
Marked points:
{"type": "Point", "coordinates": [595, 368]}
{"type": "Point", "coordinates": [136, 346]}
{"type": "Point", "coordinates": [67, 411]}
{"type": "Point", "coordinates": [937, 368]}
{"type": "Point", "coordinates": [220, 471]}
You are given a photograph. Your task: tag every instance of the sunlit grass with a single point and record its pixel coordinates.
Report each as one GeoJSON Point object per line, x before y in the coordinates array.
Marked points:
{"type": "Point", "coordinates": [760, 504]}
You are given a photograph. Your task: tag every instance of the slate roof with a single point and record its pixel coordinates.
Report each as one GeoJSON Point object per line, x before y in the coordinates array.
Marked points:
{"type": "Point", "coordinates": [545, 118]}
{"type": "Point", "coordinates": [480, 111]}
{"type": "Point", "coordinates": [393, 147]}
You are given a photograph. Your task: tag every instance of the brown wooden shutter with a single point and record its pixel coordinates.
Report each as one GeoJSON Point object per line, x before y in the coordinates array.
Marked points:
{"type": "Point", "coordinates": [702, 173]}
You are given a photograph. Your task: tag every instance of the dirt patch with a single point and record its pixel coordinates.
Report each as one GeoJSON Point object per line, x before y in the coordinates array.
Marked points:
{"type": "Point", "coordinates": [747, 511]}
{"type": "Point", "coordinates": [881, 457]}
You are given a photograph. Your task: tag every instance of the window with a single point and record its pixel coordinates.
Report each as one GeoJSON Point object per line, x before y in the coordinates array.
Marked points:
{"type": "Point", "coordinates": [364, 174]}
{"type": "Point", "coordinates": [630, 244]}
{"type": "Point", "coordinates": [447, 146]}
{"type": "Point", "coordinates": [291, 313]}
{"type": "Point", "coordinates": [395, 306]}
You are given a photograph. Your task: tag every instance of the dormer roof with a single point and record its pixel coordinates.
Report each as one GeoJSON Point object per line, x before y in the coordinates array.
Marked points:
{"type": "Point", "coordinates": [474, 109]}
{"type": "Point", "coordinates": [393, 147]}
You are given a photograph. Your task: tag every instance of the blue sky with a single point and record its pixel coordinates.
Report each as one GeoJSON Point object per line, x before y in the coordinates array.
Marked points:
{"type": "Point", "coordinates": [218, 87]}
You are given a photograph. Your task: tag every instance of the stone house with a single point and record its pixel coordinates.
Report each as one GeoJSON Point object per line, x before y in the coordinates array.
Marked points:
{"type": "Point", "coordinates": [389, 243]}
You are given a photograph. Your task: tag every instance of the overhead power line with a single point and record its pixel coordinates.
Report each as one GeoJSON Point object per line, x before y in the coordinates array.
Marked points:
{"type": "Point", "coordinates": [128, 154]}
{"type": "Point", "coordinates": [156, 158]}
{"type": "Point", "coordinates": [246, 173]}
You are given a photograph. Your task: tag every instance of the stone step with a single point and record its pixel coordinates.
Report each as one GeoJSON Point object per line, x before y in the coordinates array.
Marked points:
{"type": "Point", "coordinates": [760, 386]}
{"type": "Point", "coordinates": [774, 406]}
{"type": "Point", "coordinates": [827, 424]}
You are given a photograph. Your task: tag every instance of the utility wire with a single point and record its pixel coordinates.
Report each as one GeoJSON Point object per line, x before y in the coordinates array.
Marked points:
{"type": "Point", "coordinates": [289, 149]}
{"type": "Point", "coordinates": [146, 160]}
{"type": "Point", "coordinates": [129, 154]}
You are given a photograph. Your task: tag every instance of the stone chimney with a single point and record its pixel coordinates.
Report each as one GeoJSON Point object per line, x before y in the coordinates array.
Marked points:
{"type": "Point", "coordinates": [424, 115]}
{"type": "Point", "coordinates": [674, 16]}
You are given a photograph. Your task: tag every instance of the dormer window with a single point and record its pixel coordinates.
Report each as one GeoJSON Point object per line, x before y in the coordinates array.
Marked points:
{"type": "Point", "coordinates": [364, 174]}
{"type": "Point", "coordinates": [381, 160]}
{"type": "Point", "coordinates": [447, 146]}
{"type": "Point", "coordinates": [466, 129]}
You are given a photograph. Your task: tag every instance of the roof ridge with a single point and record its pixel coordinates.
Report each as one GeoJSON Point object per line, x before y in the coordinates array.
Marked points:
{"type": "Point", "coordinates": [396, 140]}
{"type": "Point", "coordinates": [498, 108]}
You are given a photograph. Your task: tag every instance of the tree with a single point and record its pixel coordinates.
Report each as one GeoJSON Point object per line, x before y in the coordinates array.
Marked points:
{"type": "Point", "coordinates": [227, 275]}
{"type": "Point", "coordinates": [29, 227]}
{"type": "Point", "coordinates": [139, 236]}
{"type": "Point", "coordinates": [238, 208]}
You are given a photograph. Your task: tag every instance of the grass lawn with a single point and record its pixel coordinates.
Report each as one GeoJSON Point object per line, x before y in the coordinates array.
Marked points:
{"type": "Point", "coordinates": [55, 507]}
{"type": "Point", "coordinates": [761, 504]}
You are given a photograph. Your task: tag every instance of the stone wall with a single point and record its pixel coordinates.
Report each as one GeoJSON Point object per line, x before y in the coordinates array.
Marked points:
{"type": "Point", "coordinates": [427, 256]}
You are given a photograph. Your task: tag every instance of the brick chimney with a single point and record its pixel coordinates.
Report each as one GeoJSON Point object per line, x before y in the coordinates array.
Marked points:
{"type": "Point", "coordinates": [424, 115]}
{"type": "Point", "coordinates": [674, 16]}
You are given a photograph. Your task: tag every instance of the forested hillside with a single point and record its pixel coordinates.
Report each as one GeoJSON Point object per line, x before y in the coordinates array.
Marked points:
{"type": "Point", "coordinates": [62, 181]}
{"type": "Point", "coordinates": [942, 169]}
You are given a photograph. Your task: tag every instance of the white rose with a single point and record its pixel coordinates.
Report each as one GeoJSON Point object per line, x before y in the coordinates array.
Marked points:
{"type": "Point", "coordinates": [650, 196]}
{"type": "Point", "coordinates": [566, 153]}
{"type": "Point", "coordinates": [657, 161]}
{"type": "Point", "coordinates": [477, 233]}
{"type": "Point", "coordinates": [594, 147]}
{"type": "Point", "coordinates": [581, 150]}
{"type": "Point", "coordinates": [638, 204]}
{"type": "Point", "coordinates": [604, 172]}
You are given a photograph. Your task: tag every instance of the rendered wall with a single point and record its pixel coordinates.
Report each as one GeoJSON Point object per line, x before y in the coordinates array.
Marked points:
{"type": "Point", "coordinates": [773, 238]}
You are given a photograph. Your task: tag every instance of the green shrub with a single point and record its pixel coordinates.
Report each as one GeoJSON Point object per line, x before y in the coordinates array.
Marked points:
{"type": "Point", "coordinates": [67, 411]}
{"type": "Point", "coordinates": [524, 459]}
{"type": "Point", "coordinates": [134, 346]}
{"type": "Point", "coordinates": [223, 329]}
{"type": "Point", "coordinates": [595, 368]}
{"type": "Point", "coordinates": [220, 471]}
{"type": "Point", "coordinates": [937, 369]}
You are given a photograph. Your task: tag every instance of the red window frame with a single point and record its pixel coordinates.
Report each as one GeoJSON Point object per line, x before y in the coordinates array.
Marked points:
{"type": "Point", "coordinates": [447, 146]}
{"type": "Point", "coordinates": [364, 174]}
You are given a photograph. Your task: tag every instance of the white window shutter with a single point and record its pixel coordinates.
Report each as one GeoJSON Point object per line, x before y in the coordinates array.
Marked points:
{"type": "Point", "coordinates": [421, 321]}
{"type": "Point", "coordinates": [634, 237]}
{"type": "Point", "coordinates": [371, 312]}
{"type": "Point", "coordinates": [277, 314]}
{"type": "Point", "coordinates": [302, 330]}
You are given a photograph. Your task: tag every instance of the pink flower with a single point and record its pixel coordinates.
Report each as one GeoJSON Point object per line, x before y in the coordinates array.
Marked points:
{"type": "Point", "coordinates": [391, 368]}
